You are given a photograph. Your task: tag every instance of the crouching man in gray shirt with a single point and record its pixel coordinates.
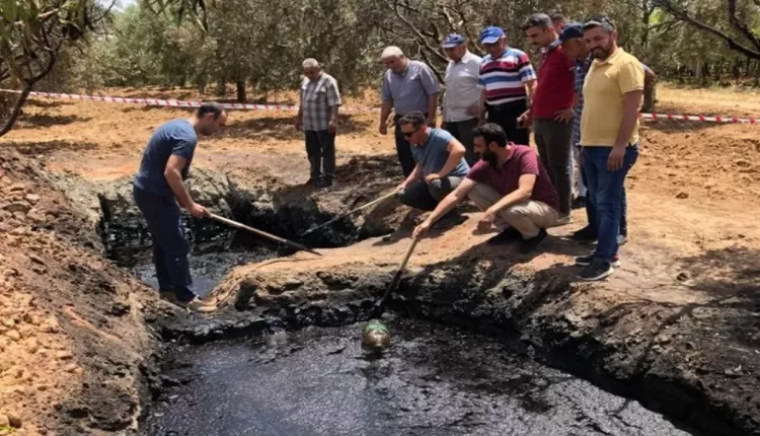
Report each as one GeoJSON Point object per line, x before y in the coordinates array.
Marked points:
{"type": "Point", "coordinates": [439, 164]}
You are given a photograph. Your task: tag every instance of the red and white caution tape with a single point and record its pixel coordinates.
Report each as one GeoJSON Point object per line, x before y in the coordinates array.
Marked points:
{"type": "Point", "coordinates": [699, 118]}
{"type": "Point", "coordinates": [248, 106]}
{"type": "Point", "coordinates": [170, 103]}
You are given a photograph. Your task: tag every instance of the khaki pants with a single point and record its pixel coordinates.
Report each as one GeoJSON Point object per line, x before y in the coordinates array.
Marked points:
{"type": "Point", "coordinates": [527, 217]}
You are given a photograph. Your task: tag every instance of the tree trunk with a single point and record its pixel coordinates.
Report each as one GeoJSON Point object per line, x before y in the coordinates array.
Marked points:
{"type": "Point", "coordinates": [240, 91]}
{"type": "Point", "coordinates": [650, 97]}
{"type": "Point", "coordinates": [699, 72]}
{"type": "Point", "coordinates": [13, 113]}
{"type": "Point", "coordinates": [221, 87]}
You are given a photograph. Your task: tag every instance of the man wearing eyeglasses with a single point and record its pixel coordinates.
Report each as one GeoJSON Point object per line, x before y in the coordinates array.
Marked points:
{"type": "Point", "coordinates": [460, 102]}
{"type": "Point", "coordinates": [439, 164]}
{"type": "Point", "coordinates": [408, 86]}
{"type": "Point", "coordinates": [612, 95]}
{"type": "Point", "coordinates": [507, 82]}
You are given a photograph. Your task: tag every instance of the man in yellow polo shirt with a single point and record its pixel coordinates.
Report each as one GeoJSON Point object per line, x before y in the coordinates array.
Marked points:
{"type": "Point", "coordinates": [612, 94]}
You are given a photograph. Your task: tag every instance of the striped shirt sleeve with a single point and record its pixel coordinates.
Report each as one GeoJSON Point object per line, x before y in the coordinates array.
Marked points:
{"type": "Point", "coordinates": [481, 80]}
{"type": "Point", "coordinates": [527, 73]}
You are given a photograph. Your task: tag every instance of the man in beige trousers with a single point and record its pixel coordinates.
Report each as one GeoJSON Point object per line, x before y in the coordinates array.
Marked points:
{"type": "Point", "coordinates": [513, 188]}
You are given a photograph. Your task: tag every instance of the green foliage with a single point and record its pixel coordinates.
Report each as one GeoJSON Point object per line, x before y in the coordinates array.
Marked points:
{"type": "Point", "coordinates": [262, 43]}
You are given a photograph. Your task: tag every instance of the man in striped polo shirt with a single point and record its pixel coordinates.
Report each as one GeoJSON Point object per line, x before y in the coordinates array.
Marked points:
{"type": "Point", "coordinates": [507, 81]}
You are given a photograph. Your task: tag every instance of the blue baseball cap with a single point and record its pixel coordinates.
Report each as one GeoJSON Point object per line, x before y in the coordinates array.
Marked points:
{"type": "Point", "coordinates": [491, 35]}
{"type": "Point", "coordinates": [453, 40]}
{"type": "Point", "coordinates": [571, 31]}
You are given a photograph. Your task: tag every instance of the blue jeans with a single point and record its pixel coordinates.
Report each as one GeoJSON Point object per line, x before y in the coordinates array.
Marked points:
{"type": "Point", "coordinates": [591, 209]}
{"type": "Point", "coordinates": [606, 191]}
{"type": "Point", "coordinates": [170, 249]}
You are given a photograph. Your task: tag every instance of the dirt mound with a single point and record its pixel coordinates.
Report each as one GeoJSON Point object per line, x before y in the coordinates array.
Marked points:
{"type": "Point", "coordinates": [73, 337]}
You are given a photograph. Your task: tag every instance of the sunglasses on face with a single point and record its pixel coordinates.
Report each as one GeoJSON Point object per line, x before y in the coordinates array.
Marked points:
{"type": "Point", "coordinates": [410, 134]}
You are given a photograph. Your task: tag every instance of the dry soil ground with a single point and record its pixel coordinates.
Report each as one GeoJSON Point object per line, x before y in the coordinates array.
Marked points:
{"type": "Point", "coordinates": [692, 211]}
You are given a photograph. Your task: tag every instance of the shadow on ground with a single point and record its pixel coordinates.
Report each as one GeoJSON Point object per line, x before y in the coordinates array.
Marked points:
{"type": "Point", "coordinates": [48, 147]}
{"type": "Point", "coordinates": [43, 120]}
{"type": "Point", "coordinates": [283, 128]}
{"type": "Point", "coordinates": [45, 104]}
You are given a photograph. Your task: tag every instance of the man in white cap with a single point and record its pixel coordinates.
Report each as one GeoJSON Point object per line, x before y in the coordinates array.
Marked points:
{"type": "Point", "coordinates": [408, 86]}
{"type": "Point", "coordinates": [461, 100]}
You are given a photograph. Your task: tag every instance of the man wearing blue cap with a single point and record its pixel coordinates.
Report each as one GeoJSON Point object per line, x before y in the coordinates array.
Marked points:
{"type": "Point", "coordinates": [507, 81]}
{"type": "Point", "coordinates": [461, 101]}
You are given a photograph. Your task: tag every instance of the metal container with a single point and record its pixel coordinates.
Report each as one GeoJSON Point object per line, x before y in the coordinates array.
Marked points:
{"type": "Point", "coordinates": [376, 336]}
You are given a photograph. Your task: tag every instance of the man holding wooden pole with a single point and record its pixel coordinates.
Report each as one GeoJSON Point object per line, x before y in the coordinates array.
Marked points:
{"type": "Point", "coordinates": [158, 187]}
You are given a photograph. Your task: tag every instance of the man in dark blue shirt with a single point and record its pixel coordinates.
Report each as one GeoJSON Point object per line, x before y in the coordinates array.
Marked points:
{"type": "Point", "coordinates": [158, 187]}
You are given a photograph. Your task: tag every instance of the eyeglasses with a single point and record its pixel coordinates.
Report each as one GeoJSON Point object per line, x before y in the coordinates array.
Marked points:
{"type": "Point", "coordinates": [410, 134]}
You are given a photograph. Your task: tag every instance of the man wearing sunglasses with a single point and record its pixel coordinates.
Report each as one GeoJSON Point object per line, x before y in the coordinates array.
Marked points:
{"type": "Point", "coordinates": [512, 187]}
{"type": "Point", "coordinates": [460, 102]}
{"type": "Point", "coordinates": [439, 165]}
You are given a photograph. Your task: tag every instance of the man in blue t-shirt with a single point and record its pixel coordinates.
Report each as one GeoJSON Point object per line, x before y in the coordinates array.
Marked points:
{"type": "Point", "coordinates": [439, 163]}
{"type": "Point", "coordinates": [158, 187]}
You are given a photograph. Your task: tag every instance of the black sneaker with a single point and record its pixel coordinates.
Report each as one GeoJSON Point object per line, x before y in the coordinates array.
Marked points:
{"type": "Point", "coordinates": [598, 270]}
{"type": "Point", "coordinates": [505, 237]}
{"type": "Point", "coordinates": [324, 183]}
{"type": "Point", "coordinates": [579, 203]}
{"type": "Point", "coordinates": [586, 234]}
{"type": "Point", "coordinates": [312, 182]}
{"type": "Point", "coordinates": [531, 244]}
{"type": "Point", "coordinates": [588, 260]}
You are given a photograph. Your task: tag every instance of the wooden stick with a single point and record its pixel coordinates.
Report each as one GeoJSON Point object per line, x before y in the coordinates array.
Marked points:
{"type": "Point", "coordinates": [385, 197]}
{"type": "Point", "coordinates": [262, 233]}
{"type": "Point", "coordinates": [380, 305]}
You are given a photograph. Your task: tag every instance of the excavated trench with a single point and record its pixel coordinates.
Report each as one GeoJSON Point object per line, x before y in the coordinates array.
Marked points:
{"type": "Point", "coordinates": [298, 369]}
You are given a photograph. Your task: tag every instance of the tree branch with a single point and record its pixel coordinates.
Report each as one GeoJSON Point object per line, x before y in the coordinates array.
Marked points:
{"type": "Point", "coordinates": [465, 22]}
{"type": "Point", "coordinates": [435, 69]}
{"type": "Point", "coordinates": [742, 27]}
{"type": "Point", "coordinates": [733, 44]}
{"type": "Point", "coordinates": [420, 37]}
{"type": "Point", "coordinates": [16, 111]}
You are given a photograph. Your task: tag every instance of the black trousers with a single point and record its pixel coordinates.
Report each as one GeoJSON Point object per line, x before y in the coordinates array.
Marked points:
{"type": "Point", "coordinates": [170, 248]}
{"type": "Point", "coordinates": [462, 130]}
{"type": "Point", "coordinates": [506, 116]}
{"type": "Point", "coordinates": [320, 147]}
{"type": "Point", "coordinates": [553, 142]}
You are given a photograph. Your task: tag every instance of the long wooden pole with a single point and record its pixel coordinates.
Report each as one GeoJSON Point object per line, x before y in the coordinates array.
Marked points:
{"type": "Point", "coordinates": [262, 233]}
{"type": "Point", "coordinates": [385, 197]}
{"type": "Point", "coordinates": [380, 305]}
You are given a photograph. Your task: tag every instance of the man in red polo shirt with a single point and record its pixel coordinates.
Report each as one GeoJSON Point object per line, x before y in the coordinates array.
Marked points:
{"type": "Point", "coordinates": [552, 109]}
{"type": "Point", "coordinates": [511, 185]}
